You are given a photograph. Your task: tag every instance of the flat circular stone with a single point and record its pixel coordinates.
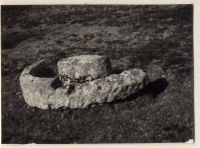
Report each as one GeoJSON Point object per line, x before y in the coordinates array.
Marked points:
{"type": "Point", "coordinates": [84, 67]}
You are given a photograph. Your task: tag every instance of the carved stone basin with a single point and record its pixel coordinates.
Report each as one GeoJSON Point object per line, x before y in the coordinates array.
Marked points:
{"type": "Point", "coordinates": [80, 82]}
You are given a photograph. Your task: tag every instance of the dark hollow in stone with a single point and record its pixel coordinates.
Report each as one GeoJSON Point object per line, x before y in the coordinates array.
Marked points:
{"type": "Point", "coordinates": [43, 71]}
{"type": "Point", "coordinates": [56, 83]}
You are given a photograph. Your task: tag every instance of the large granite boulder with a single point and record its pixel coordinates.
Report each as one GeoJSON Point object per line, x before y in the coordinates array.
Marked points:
{"type": "Point", "coordinates": [42, 88]}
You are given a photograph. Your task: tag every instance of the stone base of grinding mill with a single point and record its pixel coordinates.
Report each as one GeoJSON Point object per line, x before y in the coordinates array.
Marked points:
{"type": "Point", "coordinates": [39, 90]}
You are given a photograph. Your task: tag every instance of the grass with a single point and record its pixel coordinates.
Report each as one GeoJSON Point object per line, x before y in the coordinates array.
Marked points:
{"type": "Point", "coordinates": [131, 36]}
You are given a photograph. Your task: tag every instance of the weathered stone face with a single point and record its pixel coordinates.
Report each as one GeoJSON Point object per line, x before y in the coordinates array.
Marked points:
{"type": "Point", "coordinates": [108, 89]}
{"type": "Point", "coordinates": [36, 90]}
{"type": "Point", "coordinates": [84, 67]}
{"type": "Point", "coordinates": [44, 91]}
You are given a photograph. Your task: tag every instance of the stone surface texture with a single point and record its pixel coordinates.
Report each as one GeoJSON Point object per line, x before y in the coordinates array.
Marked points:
{"type": "Point", "coordinates": [86, 67]}
{"type": "Point", "coordinates": [38, 91]}
{"type": "Point", "coordinates": [108, 89]}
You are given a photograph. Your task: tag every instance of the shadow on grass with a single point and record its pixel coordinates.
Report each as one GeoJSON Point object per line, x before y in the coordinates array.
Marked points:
{"type": "Point", "coordinates": [153, 88]}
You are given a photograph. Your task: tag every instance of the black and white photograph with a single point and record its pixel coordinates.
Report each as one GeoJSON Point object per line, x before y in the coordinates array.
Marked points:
{"type": "Point", "coordinates": [97, 74]}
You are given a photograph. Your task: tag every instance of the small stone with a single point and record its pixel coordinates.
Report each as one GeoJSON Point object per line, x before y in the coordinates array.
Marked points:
{"type": "Point", "coordinates": [155, 72]}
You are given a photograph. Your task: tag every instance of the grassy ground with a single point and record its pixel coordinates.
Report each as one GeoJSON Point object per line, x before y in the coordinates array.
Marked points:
{"type": "Point", "coordinates": [132, 36]}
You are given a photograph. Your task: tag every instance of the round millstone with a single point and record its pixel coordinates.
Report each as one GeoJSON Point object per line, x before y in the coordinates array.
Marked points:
{"type": "Point", "coordinates": [84, 67]}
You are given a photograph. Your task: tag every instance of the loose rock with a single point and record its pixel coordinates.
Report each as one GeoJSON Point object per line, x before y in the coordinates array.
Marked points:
{"type": "Point", "coordinates": [155, 72]}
